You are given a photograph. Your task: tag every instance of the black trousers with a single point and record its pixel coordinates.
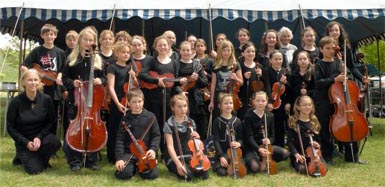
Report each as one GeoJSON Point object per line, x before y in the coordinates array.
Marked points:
{"type": "Point", "coordinates": [130, 170]}
{"type": "Point", "coordinates": [35, 162]}
{"type": "Point", "coordinates": [75, 158]}
{"type": "Point", "coordinates": [112, 128]}
{"type": "Point", "coordinates": [190, 173]}
{"type": "Point", "coordinates": [323, 112]}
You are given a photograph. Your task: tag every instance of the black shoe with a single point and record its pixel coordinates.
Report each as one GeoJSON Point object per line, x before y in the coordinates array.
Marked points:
{"type": "Point", "coordinates": [93, 167]}
{"type": "Point", "coordinates": [16, 161]}
{"type": "Point", "coordinates": [75, 168]}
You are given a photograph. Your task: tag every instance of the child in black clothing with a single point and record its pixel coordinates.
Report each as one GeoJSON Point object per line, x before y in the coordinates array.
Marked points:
{"type": "Point", "coordinates": [327, 72]}
{"type": "Point", "coordinates": [305, 121]}
{"type": "Point", "coordinates": [220, 134]}
{"type": "Point", "coordinates": [177, 135]}
{"type": "Point", "coordinates": [144, 127]}
{"type": "Point", "coordinates": [255, 122]}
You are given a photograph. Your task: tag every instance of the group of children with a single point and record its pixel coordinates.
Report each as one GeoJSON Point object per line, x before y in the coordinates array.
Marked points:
{"type": "Point", "coordinates": [165, 93]}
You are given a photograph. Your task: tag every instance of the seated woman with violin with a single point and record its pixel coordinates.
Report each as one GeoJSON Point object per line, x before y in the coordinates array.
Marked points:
{"type": "Point", "coordinates": [118, 75]}
{"type": "Point", "coordinates": [176, 131]}
{"type": "Point", "coordinates": [258, 128]}
{"type": "Point", "coordinates": [303, 124]}
{"type": "Point", "coordinates": [194, 72]}
{"type": "Point", "coordinates": [30, 118]}
{"type": "Point", "coordinates": [137, 140]}
{"type": "Point", "coordinates": [227, 134]}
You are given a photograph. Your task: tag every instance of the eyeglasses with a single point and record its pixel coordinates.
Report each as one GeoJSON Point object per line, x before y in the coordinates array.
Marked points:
{"type": "Point", "coordinates": [306, 105]}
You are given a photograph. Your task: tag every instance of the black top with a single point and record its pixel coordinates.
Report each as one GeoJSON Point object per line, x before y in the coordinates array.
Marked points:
{"type": "Point", "coordinates": [263, 59]}
{"type": "Point", "coordinates": [293, 140]}
{"type": "Point", "coordinates": [223, 77]}
{"type": "Point", "coordinates": [49, 60]}
{"type": "Point", "coordinates": [246, 89]}
{"type": "Point", "coordinates": [28, 119]}
{"type": "Point", "coordinates": [107, 61]}
{"type": "Point", "coordinates": [137, 124]}
{"type": "Point", "coordinates": [207, 64]}
{"type": "Point", "coordinates": [296, 81]}
{"type": "Point", "coordinates": [253, 129]}
{"type": "Point", "coordinates": [183, 132]}
{"type": "Point", "coordinates": [324, 75]}
{"type": "Point", "coordinates": [220, 135]}
{"type": "Point", "coordinates": [80, 71]}
{"type": "Point", "coordinates": [271, 76]}
{"type": "Point", "coordinates": [121, 77]}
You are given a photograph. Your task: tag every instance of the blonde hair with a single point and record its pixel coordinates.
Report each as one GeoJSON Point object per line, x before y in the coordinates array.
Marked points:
{"type": "Point", "coordinates": [314, 123]}
{"type": "Point", "coordinates": [178, 97]}
{"type": "Point", "coordinates": [72, 34]}
{"type": "Point", "coordinates": [104, 33]}
{"type": "Point", "coordinates": [73, 57]}
{"type": "Point", "coordinates": [222, 97]}
{"type": "Point", "coordinates": [27, 72]}
{"type": "Point", "coordinates": [123, 34]}
{"type": "Point", "coordinates": [219, 60]}
{"type": "Point", "coordinates": [307, 29]}
{"type": "Point", "coordinates": [157, 39]}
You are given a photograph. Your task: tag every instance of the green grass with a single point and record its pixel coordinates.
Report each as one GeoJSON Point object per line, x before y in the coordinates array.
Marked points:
{"type": "Point", "coordinates": [341, 174]}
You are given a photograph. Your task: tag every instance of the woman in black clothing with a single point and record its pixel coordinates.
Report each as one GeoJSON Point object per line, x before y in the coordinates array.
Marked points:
{"type": "Point", "coordinates": [194, 70]}
{"type": "Point", "coordinates": [78, 70]}
{"type": "Point", "coordinates": [225, 121]}
{"type": "Point", "coordinates": [269, 44]}
{"type": "Point", "coordinates": [30, 117]}
{"type": "Point", "coordinates": [255, 122]}
{"type": "Point", "coordinates": [243, 36]}
{"type": "Point", "coordinates": [302, 78]}
{"type": "Point", "coordinates": [277, 74]}
{"type": "Point", "coordinates": [177, 135]}
{"type": "Point", "coordinates": [161, 64]}
{"type": "Point", "coordinates": [307, 123]}
{"type": "Point", "coordinates": [117, 75]}
{"type": "Point", "coordinates": [138, 120]}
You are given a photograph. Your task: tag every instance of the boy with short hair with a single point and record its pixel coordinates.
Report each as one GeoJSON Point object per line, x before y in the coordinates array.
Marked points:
{"type": "Point", "coordinates": [143, 124]}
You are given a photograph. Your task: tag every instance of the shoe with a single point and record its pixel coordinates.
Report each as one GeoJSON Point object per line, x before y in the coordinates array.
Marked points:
{"type": "Point", "coordinates": [93, 167]}
{"type": "Point", "coordinates": [16, 161]}
{"type": "Point", "coordinates": [359, 161]}
{"type": "Point", "coordinates": [75, 168]}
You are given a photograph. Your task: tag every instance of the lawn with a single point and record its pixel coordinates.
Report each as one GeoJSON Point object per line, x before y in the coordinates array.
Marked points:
{"type": "Point", "coordinates": [340, 174]}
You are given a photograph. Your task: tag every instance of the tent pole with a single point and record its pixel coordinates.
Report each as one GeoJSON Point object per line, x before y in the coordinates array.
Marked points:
{"type": "Point", "coordinates": [380, 83]}
{"type": "Point", "coordinates": [112, 24]}
{"type": "Point", "coordinates": [21, 50]}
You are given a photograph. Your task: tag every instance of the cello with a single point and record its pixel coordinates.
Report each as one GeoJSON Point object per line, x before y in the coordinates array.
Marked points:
{"type": "Point", "coordinates": [47, 77]}
{"type": "Point", "coordinates": [347, 124]}
{"type": "Point", "coordinates": [87, 132]}
{"type": "Point", "coordinates": [236, 167]}
{"type": "Point", "coordinates": [199, 160]}
{"type": "Point", "coordinates": [138, 149]}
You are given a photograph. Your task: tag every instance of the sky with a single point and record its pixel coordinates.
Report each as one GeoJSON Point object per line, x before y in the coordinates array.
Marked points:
{"type": "Point", "coordinates": [4, 40]}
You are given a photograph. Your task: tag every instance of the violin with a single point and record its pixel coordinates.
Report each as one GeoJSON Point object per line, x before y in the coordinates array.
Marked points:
{"type": "Point", "coordinates": [257, 85]}
{"type": "Point", "coordinates": [47, 77]}
{"type": "Point", "coordinates": [87, 132]}
{"type": "Point", "coordinates": [277, 90]}
{"type": "Point", "coordinates": [233, 88]}
{"type": "Point", "coordinates": [236, 167]}
{"type": "Point", "coordinates": [347, 124]}
{"type": "Point", "coordinates": [268, 161]}
{"type": "Point", "coordinates": [315, 167]}
{"type": "Point", "coordinates": [139, 149]}
{"type": "Point", "coordinates": [191, 83]}
{"type": "Point", "coordinates": [136, 66]}
{"type": "Point", "coordinates": [168, 81]}
{"type": "Point", "coordinates": [199, 160]}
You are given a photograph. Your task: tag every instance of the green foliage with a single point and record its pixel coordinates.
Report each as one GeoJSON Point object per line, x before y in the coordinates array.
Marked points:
{"type": "Point", "coordinates": [371, 54]}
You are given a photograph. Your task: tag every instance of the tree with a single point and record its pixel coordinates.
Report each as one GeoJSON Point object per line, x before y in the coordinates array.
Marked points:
{"type": "Point", "coordinates": [371, 54]}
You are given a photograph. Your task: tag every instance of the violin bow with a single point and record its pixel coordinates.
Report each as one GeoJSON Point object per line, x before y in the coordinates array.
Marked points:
{"type": "Point", "coordinates": [302, 149]}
